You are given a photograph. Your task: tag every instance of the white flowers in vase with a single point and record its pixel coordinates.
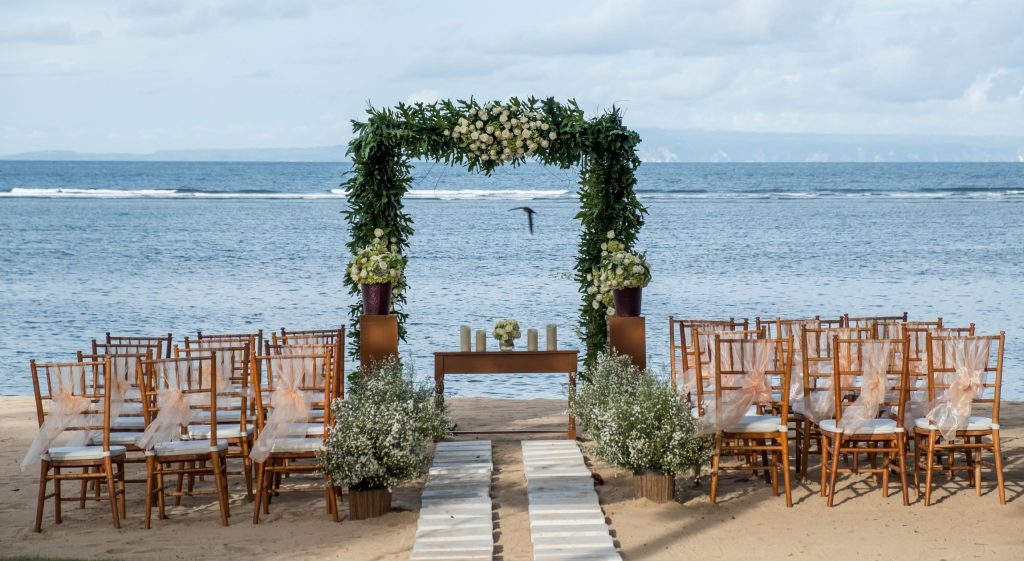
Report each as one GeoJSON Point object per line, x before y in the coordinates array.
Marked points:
{"type": "Point", "coordinates": [506, 331]}
{"type": "Point", "coordinates": [378, 262]}
{"type": "Point", "coordinates": [618, 269]}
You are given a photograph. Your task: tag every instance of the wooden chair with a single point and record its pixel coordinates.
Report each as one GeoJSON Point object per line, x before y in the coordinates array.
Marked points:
{"type": "Point", "coordinates": [681, 364]}
{"type": "Point", "coordinates": [757, 373]}
{"type": "Point", "coordinates": [163, 341]}
{"type": "Point", "coordinates": [817, 400]}
{"type": "Point", "coordinates": [869, 380]}
{"type": "Point", "coordinates": [236, 422]}
{"type": "Point", "coordinates": [286, 445]}
{"type": "Point", "coordinates": [895, 329]}
{"type": "Point", "coordinates": [832, 323]}
{"type": "Point", "coordinates": [180, 393]}
{"type": "Point", "coordinates": [704, 356]}
{"type": "Point", "coordinates": [75, 397]}
{"type": "Point", "coordinates": [335, 349]}
{"type": "Point", "coordinates": [969, 369]}
{"type": "Point", "coordinates": [867, 321]}
{"type": "Point", "coordinates": [131, 419]}
{"type": "Point", "coordinates": [307, 336]}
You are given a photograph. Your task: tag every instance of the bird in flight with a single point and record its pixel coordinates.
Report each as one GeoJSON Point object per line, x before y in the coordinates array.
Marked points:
{"type": "Point", "coordinates": [529, 215]}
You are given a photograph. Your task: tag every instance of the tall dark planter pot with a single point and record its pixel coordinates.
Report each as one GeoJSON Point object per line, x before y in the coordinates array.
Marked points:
{"type": "Point", "coordinates": [376, 299]}
{"type": "Point", "coordinates": [628, 301]}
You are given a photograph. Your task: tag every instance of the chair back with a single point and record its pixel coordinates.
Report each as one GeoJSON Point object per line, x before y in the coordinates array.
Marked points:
{"type": "Point", "coordinates": [307, 336]}
{"type": "Point", "coordinates": [817, 352]}
{"type": "Point", "coordinates": [869, 378]}
{"type": "Point", "coordinates": [290, 387]}
{"type": "Point", "coordinates": [177, 393]}
{"type": "Point", "coordinates": [888, 329]}
{"type": "Point", "coordinates": [704, 355]}
{"type": "Point", "coordinates": [69, 396]}
{"type": "Point", "coordinates": [867, 321]}
{"type": "Point", "coordinates": [255, 340]}
{"type": "Point", "coordinates": [964, 371]}
{"type": "Point", "coordinates": [682, 365]}
{"type": "Point", "coordinates": [165, 341]}
{"type": "Point", "coordinates": [156, 348]}
{"type": "Point", "coordinates": [749, 372]}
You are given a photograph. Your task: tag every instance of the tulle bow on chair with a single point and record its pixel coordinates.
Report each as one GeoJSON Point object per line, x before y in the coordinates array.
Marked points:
{"type": "Point", "coordinates": [290, 406]}
{"type": "Point", "coordinates": [753, 387]}
{"type": "Point", "coordinates": [873, 388]}
{"type": "Point", "coordinates": [968, 358]}
{"type": "Point", "coordinates": [66, 410]}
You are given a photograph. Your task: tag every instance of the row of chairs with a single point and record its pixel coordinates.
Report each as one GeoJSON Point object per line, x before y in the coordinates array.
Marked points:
{"type": "Point", "coordinates": [759, 389]}
{"type": "Point", "coordinates": [186, 411]}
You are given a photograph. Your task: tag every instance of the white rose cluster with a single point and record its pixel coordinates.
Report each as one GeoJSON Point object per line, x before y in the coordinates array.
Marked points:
{"type": "Point", "coordinates": [379, 262]}
{"type": "Point", "coordinates": [502, 133]}
{"type": "Point", "coordinates": [506, 330]}
{"type": "Point", "coordinates": [618, 269]}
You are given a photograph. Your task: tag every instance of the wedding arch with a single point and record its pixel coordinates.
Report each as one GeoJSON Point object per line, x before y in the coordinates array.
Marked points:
{"type": "Point", "coordinates": [483, 136]}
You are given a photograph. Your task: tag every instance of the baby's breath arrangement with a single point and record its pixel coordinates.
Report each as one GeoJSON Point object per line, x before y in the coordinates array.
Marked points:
{"type": "Point", "coordinates": [618, 269]}
{"type": "Point", "coordinates": [637, 422]}
{"type": "Point", "coordinates": [506, 330]}
{"type": "Point", "coordinates": [378, 262]}
{"type": "Point", "coordinates": [382, 430]}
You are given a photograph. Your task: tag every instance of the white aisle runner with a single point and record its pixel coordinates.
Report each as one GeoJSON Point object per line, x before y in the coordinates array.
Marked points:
{"type": "Point", "coordinates": [566, 520]}
{"type": "Point", "coordinates": [456, 523]}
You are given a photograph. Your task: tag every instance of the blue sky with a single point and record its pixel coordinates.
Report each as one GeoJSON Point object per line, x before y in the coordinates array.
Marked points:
{"type": "Point", "coordinates": [163, 74]}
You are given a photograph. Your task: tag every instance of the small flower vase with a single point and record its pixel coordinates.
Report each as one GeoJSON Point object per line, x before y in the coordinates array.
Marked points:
{"type": "Point", "coordinates": [376, 299]}
{"type": "Point", "coordinates": [628, 301]}
{"type": "Point", "coordinates": [507, 344]}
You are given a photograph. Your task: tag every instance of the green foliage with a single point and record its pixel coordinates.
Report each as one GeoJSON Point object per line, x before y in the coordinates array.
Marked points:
{"type": "Point", "coordinates": [382, 430]}
{"type": "Point", "coordinates": [637, 421]}
{"type": "Point", "coordinates": [603, 148]}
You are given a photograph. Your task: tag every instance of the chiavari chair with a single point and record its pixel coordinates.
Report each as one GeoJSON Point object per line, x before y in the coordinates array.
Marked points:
{"type": "Point", "coordinates": [832, 323]}
{"type": "Point", "coordinates": [74, 398]}
{"type": "Point", "coordinates": [894, 329]}
{"type": "Point", "coordinates": [681, 362]}
{"type": "Point", "coordinates": [756, 374]}
{"type": "Point", "coordinates": [130, 418]}
{"type": "Point", "coordinates": [869, 378]}
{"type": "Point", "coordinates": [963, 371]}
{"type": "Point", "coordinates": [180, 393]}
{"type": "Point", "coordinates": [165, 341]}
{"type": "Point", "coordinates": [867, 321]}
{"type": "Point", "coordinates": [307, 336]}
{"type": "Point", "coordinates": [289, 387]}
{"type": "Point", "coordinates": [704, 355]}
{"type": "Point", "coordinates": [236, 423]}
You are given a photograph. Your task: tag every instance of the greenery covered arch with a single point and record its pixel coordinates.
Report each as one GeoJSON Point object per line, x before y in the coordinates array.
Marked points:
{"type": "Point", "coordinates": [483, 137]}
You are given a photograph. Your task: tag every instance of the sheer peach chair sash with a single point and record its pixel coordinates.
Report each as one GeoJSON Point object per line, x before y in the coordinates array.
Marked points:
{"type": "Point", "coordinates": [821, 404]}
{"type": "Point", "coordinates": [68, 409]}
{"type": "Point", "coordinates": [290, 404]}
{"type": "Point", "coordinates": [968, 358]}
{"type": "Point", "coordinates": [796, 377]}
{"type": "Point", "coordinates": [874, 385]}
{"type": "Point", "coordinates": [174, 405]}
{"type": "Point", "coordinates": [751, 387]}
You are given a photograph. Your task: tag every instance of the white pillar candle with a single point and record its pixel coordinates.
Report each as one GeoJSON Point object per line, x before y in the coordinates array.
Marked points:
{"type": "Point", "coordinates": [552, 338]}
{"type": "Point", "coordinates": [481, 340]}
{"type": "Point", "coordinates": [531, 339]}
{"type": "Point", "coordinates": [464, 338]}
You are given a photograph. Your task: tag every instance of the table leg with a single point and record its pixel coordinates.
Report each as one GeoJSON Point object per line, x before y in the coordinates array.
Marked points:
{"type": "Point", "coordinates": [571, 432]}
{"type": "Point", "coordinates": [438, 382]}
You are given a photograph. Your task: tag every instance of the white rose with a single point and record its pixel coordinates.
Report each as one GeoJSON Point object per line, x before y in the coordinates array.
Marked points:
{"type": "Point", "coordinates": [490, 129]}
{"type": "Point", "coordinates": [479, 124]}
{"type": "Point", "coordinates": [604, 247]}
{"type": "Point", "coordinates": [482, 116]}
{"type": "Point", "coordinates": [544, 126]}
{"type": "Point", "coordinates": [472, 112]}
{"type": "Point", "coordinates": [503, 118]}
{"type": "Point", "coordinates": [446, 132]}
{"type": "Point", "coordinates": [638, 269]}
{"type": "Point", "coordinates": [596, 304]}
{"type": "Point", "coordinates": [544, 143]}
{"type": "Point", "coordinates": [611, 234]}
{"type": "Point", "coordinates": [378, 232]}
{"type": "Point", "coordinates": [475, 135]}
{"type": "Point", "coordinates": [552, 135]}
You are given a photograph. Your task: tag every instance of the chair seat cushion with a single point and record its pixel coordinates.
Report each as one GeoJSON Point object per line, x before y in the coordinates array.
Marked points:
{"type": "Point", "coordinates": [758, 423]}
{"type": "Point", "coordinates": [72, 453]}
{"type": "Point", "coordinates": [298, 445]}
{"type": "Point", "coordinates": [129, 423]}
{"type": "Point", "coordinates": [223, 416]}
{"type": "Point", "coordinates": [973, 423]}
{"type": "Point", "coordinates": [133, 408]}
{"type": "Point", "coordinates": [314, 429]}
{"type": "Point", "coordinates": [223, 431]}
{"type": "Point", "coordinates": [187, 447]}
{"type": "Point", "coordinates": [119, 438]}
{"type": "Point", "coordinates": [874, 426]}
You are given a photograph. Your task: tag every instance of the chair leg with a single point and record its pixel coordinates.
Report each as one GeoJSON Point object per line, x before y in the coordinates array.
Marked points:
{"type": "Point", "coordinates": [85, 486]}
{"type": "Point", "coordinates": [774, 472]}
{"type": "Point", "coordinates": [838, 439]}
{"type": "Point", "coordinates": [150, 490]}
{"type": "Point", "coordinates": [180, 485]}
{"type": "Point", "coordinates": [886, 464]}
{"type": "Point", "coordinates": [715, 458]}
{"type": "Point", "coordinates": [161, 496]}
{"type": "Point", "coordinates": [44, 477]}
{"type": "Point", "coordinates": [260, 490]}
{"type": "Point", "coordinates": [332, 496]}
{"type": "Point", "coordinates": [108, 470]}
{"type": "Point", "coordinates": [57, 515]}
{"type": "Point", "coordinates": [902, 459]}
{"type": "Point", "coordinates": [247, 468]}
{"type": "Point", "coordinates": [122, 490]}
{"type": "Point", "coordinates": [998, 453]}
{"type": "Point", "coordinates": [824, 448]}
{"type": "Point", "coordinates": [929, 464]}
{"type": "Point", "coordinates": [805, 449]}
{"type": "Point", "coordinates": [785, 470]}
{"type": "Point", "coordinates": [220, 484]}
{"type": "Point", "coordinates": [917, 463]}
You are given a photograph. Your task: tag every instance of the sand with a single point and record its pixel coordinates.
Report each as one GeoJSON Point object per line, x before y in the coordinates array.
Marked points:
{"type": "Point", "coordinates": [747, 523]}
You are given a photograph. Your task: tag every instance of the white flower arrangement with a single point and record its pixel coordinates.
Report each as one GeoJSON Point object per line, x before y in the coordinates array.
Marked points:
{"type": "Point", "coordinates": [618, 269]}
{"type": "Point", "coordinates": [382, 430]}
{"type": "Point", "coordinates": [506, 330]}
{"type": "Point", "coordinates": [378, 263]}
{"type": "Point", "coordinates": [501, 133]}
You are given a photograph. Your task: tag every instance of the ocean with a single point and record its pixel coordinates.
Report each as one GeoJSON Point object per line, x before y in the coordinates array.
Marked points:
{"type": "Point", "coordinates": [157, 247]}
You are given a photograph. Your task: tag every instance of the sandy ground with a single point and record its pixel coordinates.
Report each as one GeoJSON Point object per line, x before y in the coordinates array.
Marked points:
{"type": "Point", "coordinates": [747, 523]}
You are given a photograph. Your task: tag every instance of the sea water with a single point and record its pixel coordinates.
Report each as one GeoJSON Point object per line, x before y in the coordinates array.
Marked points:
{"type": "Point", "coordinates": [155, 247]}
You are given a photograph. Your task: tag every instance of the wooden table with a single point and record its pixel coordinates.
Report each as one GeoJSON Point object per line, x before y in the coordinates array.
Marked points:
{"type": "Point", "coordinates": [509, 362]}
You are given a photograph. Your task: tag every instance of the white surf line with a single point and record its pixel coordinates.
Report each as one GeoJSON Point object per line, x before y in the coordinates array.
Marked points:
{"type": "Point", "coordinates": [566, 520]}
{"type": "Point", "coordinates": [456, 523]}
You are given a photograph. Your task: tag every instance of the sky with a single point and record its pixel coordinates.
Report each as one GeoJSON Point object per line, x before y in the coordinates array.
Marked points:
{"type": "Point", "coordinates": [146, 75]}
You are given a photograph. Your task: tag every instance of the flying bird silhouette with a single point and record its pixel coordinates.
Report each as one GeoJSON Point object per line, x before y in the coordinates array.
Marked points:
{"type": "Point", "coordinates": [529, 215]}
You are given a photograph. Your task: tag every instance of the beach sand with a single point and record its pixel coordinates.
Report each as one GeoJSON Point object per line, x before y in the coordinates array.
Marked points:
{"type": "Point", "coordinates": [747, 523]}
